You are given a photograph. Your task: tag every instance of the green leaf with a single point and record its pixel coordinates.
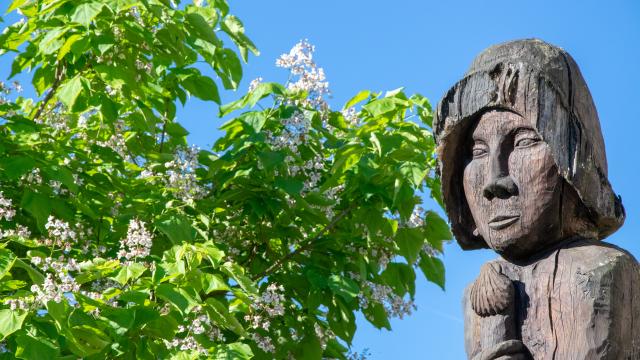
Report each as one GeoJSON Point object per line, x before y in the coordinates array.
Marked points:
{"type": "Point", "coordinates": [69, 91]}
{"type": "Point", "coordinates": [410, 242]}
{"type": "Point", "coordinates": [85, 13]}
{"type": "Point", "coordinates": [202, 29]}
{"type": "Point", "coordinates": [88, 340]}
{"type": "Point", "coordinates": [291, 186]}
{"type": "Point", "coordinates": [11, 285]}
{"type": "Point", "coordinates": [413, 172]}
{"type": "Point", "coordinates": [38, 205]}
{"type": "Point", "coordinates": [177, 228]}
{"type": "Point", "coordinates": [401, 278]}
{"type": "Point", "coordinates": [32, 348]}
{"type": "Point", "coordinates": [237, 273]}
{"type": "Point", "coordinates": [7, 259]}
{"type": "Point", "coordinates": [219, 314]}
{"type": "Point", "coordinates": [254, 120]}
{"type": "Point", "coordinates": [129, 272]}
{"type": "Point", "coordinates": [362, 95]}
{"type": "Point", "coordinates": [433, 269]}
{"type": "Point", "coordinates": [310, 348]}
{"type": "Point", "coordinates": [11, 321]}
{"type": "Point", "coordinates": [43, 77]}
{"type": "Point", "coordinates": [437, 229]}
{"type": "Point", "coordinates": [64, 50]}
{"type": "Point", "coordinates": [234, 28]}
{"type": "Point", "coordinates": [377, 316]}
{"type": "Point", "coordinates": [202, 87]}
{"type": "Point", "coordinates": [16, 4]}
{"type": "Point", "coordinates": [13, 167]}
{"type": "Point", "coordinates": [381, 107]}
{"type": "Point", "coordinates": [251, 99]}
{"type": "Point", "coordinates": [234, 351]}
{"type": "Point", "coordinates": [211, 283]}
{"type": "Point", "coordinates": [34, 274]}
{"type": "Point", "coordinates": [229, 68]}
{"type": "Point", "coordinates": [177, 296]}
{"type": "Point", "coordinates": [51, 41]}
{"type": "Point", "coordinates": [343, 287]}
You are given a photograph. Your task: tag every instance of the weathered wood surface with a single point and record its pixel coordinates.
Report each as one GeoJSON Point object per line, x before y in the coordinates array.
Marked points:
{"type": "Point", "coordinates": [579, 301]}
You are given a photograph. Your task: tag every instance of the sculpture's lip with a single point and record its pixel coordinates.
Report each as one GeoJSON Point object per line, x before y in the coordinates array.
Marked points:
{"type": "Point", "coordinates": [502, 221]}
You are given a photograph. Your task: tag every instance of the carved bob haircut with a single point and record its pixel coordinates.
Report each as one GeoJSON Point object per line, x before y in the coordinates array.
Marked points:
{"type": "Point", "coordinates": [542, 83]}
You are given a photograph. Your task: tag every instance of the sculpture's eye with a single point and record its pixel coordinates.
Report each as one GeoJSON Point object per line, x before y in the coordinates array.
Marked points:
{"type": "Point", "coordinates": [526, 138]}
{"type": "Point", "coordinates": [478, 150]}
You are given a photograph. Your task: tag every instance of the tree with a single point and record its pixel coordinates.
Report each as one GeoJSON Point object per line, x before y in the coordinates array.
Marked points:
{"type": "Point", "coordinates": [119, 240]}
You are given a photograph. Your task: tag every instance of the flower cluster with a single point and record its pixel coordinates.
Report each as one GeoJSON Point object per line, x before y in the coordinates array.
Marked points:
{"type": "Point", "coordinates": [294, 133]}
{"type": "Point", "coordinates": [351, 116]}
{"type": "Point", "coordinates": [32, 178]}
{"type": "Point", "coordinates": [358, 356]}
{"type": "Point", "coordinates": [55, 288]}
{"type": "Point", "coordinates": [7, 211]}
{"type": "Point", "coordinates": [267, 306]}
{"type": "Point", "coordinates": [59, 265]}
{"type": "Point", "coordinates": [254, 83]}
{"type": "Point", "coordinates": [264, 343]}
{"type": "Point", "coordinates": [323, 335]}
{"type": "Point", "coordinates": [116, 141]}
{"type": "Point", "coordinates": [416, 219]}
{"type": "Point", "coordinates": [7, 89]}
{"type": "Point", "coordinates": [180, 175]}
{"type": "Point", "coordinates": [138, 242]}
{"type": "Point", "coordinates": [60, 234]}
{"type": "Point", "coordinates": [20, 231]}
{"type": "Point", "coordinates": [394, 305]}
{"type": "Point", "coordinates": [310, 77]}
{"type": "Point", "coordinates": [199, 324]}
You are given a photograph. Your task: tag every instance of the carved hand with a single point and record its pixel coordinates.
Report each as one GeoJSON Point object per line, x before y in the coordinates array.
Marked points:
{"type": "Point", "coordinates": [492, 298]}
{"type": "Point", "coordinates": [506, 350]}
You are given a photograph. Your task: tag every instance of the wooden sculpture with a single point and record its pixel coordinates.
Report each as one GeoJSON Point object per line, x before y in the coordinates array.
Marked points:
{"type": "Point", "coordinates": [524, 172]}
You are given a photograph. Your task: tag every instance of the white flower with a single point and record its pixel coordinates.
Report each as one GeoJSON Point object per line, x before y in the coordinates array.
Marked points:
{"type": "Point", "coordinates": [6, 208]}
{"type": "Point", "coordinates": [138, 242]}
{"type": "Point", "coordinates": [254, 83]}
{"type": "Point", "coordinates": [180, 175]}
{"type": "Point", "coordinates": [416, 220]}
{"type": "Point", "coordinates": [60, 232]}
{"type": "Point", "coordinates": [55, 289]}
{"type": "Point", "coordinates": [311, 78]}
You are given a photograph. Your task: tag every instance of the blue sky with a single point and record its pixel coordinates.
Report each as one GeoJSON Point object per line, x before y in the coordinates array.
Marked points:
{"type": "Point", "coordinates": [426, 46]}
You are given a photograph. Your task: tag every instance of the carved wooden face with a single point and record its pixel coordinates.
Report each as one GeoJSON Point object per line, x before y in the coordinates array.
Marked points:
{"type": "Point", "coordinates": [512, 185]}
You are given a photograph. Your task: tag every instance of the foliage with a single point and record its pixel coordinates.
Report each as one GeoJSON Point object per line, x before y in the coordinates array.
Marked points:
{"type": "Point", "coordinates": [118, 240]}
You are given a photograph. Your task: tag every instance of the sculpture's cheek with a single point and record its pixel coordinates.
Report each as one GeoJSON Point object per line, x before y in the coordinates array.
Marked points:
{"type": "Point", "coordinates": [534, 171]}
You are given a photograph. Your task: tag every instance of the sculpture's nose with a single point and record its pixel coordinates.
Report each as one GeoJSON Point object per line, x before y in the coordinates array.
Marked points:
{"type": "Point", "coordinates": [500, 183]}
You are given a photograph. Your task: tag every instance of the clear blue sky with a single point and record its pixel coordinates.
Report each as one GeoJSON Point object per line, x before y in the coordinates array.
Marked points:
{"type": "Point", "coordinates": [426, 46]}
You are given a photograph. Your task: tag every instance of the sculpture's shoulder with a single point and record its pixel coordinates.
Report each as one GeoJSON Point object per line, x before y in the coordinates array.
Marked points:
{"type": "Point", "coordinates": [593, 255]}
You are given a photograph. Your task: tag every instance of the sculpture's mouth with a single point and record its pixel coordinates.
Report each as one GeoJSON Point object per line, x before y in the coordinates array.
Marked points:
{"type": "Point", "coordinates": [502, 221]}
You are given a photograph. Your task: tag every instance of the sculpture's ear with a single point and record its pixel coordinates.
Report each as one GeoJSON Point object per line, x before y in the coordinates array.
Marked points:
{"type": "Point", "coordinates": [576, 218]}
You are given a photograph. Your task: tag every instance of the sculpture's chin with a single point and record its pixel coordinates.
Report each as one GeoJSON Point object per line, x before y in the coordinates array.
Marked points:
{"type": "Point", "coordinates": [508, 248]}
{"type": "Point", "coordinates": [512, 248]}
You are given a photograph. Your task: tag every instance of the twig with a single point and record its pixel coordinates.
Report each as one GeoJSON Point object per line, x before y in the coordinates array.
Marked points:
{"type": "Point", "coordinates": [52, 91]}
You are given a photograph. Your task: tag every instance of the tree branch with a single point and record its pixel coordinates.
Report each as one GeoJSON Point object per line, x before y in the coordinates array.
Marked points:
{"type": "Point", "coordinates": [306, 245]}
{"type": "Point", "coordinates": [52, 90]}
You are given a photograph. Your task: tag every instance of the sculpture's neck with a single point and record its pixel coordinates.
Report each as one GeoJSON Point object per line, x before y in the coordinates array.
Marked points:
{"type": "Point", "coordinates": [546, 251]}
